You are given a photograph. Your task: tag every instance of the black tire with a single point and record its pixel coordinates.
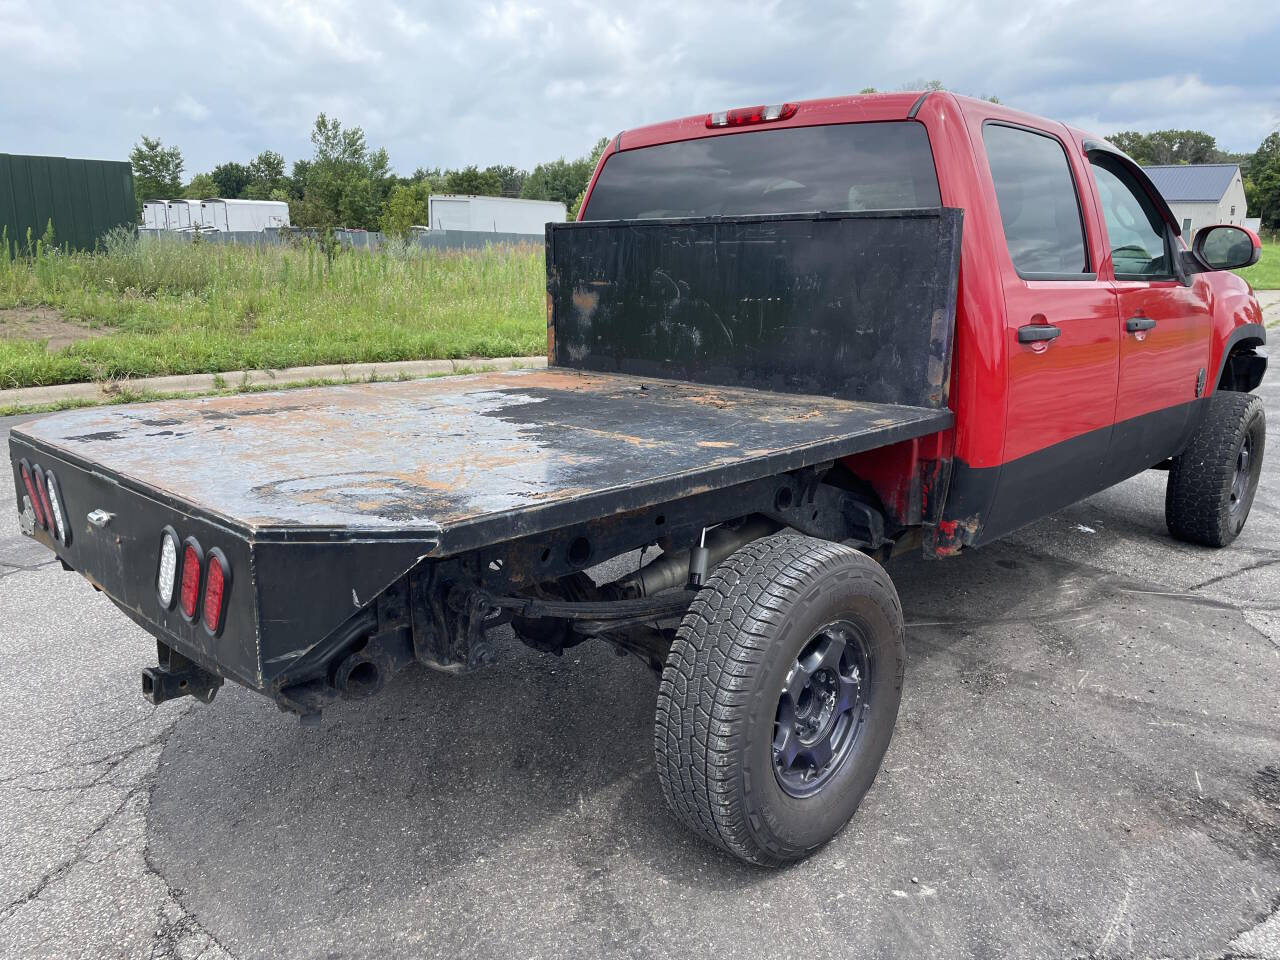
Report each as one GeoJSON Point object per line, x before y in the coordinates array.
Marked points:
{"type": "Point", "coordinates": [719, 706]}
{"type": "Point", "coordinates": [1212, 483]}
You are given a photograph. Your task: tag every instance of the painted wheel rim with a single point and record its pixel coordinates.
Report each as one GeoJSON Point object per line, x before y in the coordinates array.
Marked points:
{"type": "Point", "coordinates": [824, 700]}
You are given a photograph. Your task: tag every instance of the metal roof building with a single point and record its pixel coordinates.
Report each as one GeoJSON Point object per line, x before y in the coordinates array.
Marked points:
{"type": "Point", "coordinates": [1201, 194]}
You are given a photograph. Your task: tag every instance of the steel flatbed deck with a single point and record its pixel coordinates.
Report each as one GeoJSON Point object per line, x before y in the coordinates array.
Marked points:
{"type": "Point", "coordinates": [462, 461]}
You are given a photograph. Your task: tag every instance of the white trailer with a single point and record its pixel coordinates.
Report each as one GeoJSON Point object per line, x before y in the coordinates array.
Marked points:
{"type": "Point", "coordinates": [155, 215]}
{"type": "Point", "coordinates": [243, 216]}
{"type": "Point", "coordinates": [182, 214]}
{"type": "Point", "coordinates": [492, 214]}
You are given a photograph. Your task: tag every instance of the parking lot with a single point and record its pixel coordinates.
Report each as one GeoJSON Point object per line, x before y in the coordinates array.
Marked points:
{"type": "Point", "coordinates": [1087, 763]}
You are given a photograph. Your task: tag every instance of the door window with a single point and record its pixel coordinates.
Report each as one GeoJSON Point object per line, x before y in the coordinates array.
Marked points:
{"type": "Point", "coordinates": [1135, 230]}
{"type": "Point", "coordinates": [1038, 203]}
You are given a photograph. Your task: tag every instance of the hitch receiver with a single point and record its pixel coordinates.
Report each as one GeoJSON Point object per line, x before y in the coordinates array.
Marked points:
{"type": "Point", "coordinates": [175, 676]}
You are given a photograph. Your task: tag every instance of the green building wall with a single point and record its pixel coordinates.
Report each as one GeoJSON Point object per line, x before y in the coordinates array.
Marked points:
{"type": "Point", "coordinates": [83, 198]}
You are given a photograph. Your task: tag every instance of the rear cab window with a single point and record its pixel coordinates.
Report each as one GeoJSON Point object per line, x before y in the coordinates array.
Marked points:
{"type": "Point", "coordinates": [1039, 204]}
{"type": "Point", "coordinates": [836, 168]}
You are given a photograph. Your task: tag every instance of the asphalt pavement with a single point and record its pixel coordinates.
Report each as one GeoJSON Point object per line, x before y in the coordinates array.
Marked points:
{"type": "Point", "coordinates": [1087, 764]}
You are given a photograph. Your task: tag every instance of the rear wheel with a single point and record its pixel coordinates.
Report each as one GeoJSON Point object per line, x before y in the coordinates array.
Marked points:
{"type": "Point", "coordinates": [779, 697]}
{"type": "Point", "coordinates": [1212, 483]}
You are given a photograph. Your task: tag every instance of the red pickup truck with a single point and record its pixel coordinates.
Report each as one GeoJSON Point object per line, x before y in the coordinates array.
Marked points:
{"type": "Point", "coordinates": [784, 343]}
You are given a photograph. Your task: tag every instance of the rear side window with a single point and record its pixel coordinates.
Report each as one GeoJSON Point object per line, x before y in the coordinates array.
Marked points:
{"type": "Point", "coordinates": [1038, 203]}
{"type": "Point", "coordinates": [853, 166]}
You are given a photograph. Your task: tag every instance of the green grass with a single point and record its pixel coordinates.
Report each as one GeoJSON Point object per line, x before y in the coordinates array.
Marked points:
{"type": "Point", "coordinates": [128, 394]}
{"type": "Point", "coordinates": [176, 308]}
{"type": "Point", "coordinates": [1265, 274]}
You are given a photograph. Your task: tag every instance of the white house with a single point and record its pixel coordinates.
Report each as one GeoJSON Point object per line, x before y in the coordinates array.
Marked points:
{"type": "Point", "coordinates": [1201, 194]}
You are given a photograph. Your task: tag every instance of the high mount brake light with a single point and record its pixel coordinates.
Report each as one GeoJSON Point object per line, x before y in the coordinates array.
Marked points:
{"type": "Point", "coordinates": [28, 483]}
{"type": "Point", "coordinates": [167, 568]}
{"type": "Point", "coordinates": [192, 568]}
{"type": "Point", "coordinates": [216, 583]}
{"type": "Point", "coordinates": [744, 116]}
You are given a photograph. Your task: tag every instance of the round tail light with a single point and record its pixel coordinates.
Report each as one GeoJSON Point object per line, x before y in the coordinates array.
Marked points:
{"type": "Point", "coordinates": [189, 592]}
{"type": "Point", "coordinates": [167, 568]}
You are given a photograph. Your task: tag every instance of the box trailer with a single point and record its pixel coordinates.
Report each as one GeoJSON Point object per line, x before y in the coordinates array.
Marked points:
{"type": "Point", "coordinates": [183, 214]}
{"type": "Point", "coordinates": [155, 215]}
{"type": "Point", "coordinates": [493, 214]}
{"type": "Point", "coordinates": [243, 216]}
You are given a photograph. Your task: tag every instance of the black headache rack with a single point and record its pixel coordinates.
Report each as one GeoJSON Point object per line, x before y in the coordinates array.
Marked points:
{"type": "Point", "coordinates": [702, 372]}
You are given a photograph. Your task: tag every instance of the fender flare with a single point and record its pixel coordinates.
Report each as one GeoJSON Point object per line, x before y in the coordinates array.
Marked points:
{"type": "Point", "coordinates": [1246, 331]}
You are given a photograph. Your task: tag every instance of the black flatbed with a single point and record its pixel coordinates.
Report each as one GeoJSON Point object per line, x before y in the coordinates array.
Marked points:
{"type": "Point", "coordinates": [465, 461]}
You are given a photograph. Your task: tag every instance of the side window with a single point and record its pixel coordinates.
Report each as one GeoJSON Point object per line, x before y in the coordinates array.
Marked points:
{"type": "Point", "coordinates": [1135, 230]}
{"type": "Point", "coordinates": [1039, 206]}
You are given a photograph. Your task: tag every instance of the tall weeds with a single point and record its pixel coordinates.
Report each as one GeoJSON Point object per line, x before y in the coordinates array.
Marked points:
{"type": "Point", "coordinates": [173, 306]}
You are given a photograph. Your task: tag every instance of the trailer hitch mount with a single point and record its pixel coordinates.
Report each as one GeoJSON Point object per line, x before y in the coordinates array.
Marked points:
{"type": "Point", "coordinates": [175, 676]}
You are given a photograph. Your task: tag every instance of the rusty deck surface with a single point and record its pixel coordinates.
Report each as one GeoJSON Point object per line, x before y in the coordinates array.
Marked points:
{"type": "Point", "coordinates": [498, 450]}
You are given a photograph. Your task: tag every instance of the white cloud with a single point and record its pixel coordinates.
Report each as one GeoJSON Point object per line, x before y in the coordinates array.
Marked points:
{"type": "Point", "coordinates": [190, 107]}
{"type": "Point", "coordinates": [518, 81]}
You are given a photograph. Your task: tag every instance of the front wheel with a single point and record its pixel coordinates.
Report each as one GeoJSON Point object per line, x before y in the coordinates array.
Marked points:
{"type": "Point", "coordinates": [1212, 482]}
{"type": "Point", "coordinates": [779, 697]}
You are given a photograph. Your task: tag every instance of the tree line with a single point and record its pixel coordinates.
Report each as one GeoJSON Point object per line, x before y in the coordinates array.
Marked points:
{"type": "Point", "coordinates": [1260, 170]}
{"type": "Point", "coordinates": [345, 183]}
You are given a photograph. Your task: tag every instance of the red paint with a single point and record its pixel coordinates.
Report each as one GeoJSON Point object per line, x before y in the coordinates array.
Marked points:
{"type": "Point", "coordinates": [1012, 399]}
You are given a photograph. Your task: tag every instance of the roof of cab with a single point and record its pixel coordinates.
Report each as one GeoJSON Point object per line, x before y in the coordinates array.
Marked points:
{"type": "Point", "coordinates": [851, 109]}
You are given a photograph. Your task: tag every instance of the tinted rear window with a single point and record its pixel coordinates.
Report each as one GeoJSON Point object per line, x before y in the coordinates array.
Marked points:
{"type": "Point", "coordinates": [853, 166]}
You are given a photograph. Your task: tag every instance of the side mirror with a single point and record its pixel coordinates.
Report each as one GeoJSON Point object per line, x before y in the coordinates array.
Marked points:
{"type": "Point", "coordinates": [1226, 247]}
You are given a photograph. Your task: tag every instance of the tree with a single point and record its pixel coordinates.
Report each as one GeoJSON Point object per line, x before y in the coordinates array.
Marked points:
{"type": "Point", "coordinates": [512, 180]}
{"type": "Point", "coordinates": [200, 187]}
{"type": "Point", "coordinates": [406, 207]}
{"type": "Point", "coordinates": [266, 175]}
{"type": "Point", "coordinates": [231, 178]}
{"type": "Point", "coordinates": [562, 179]}
{"type": "Point", "coordinates": [473, 182]}
{"type": "Point", "coordinates": [1133, 143]}
{"type": "Point", "coordinates": [1262, 183]}
{"type": "Point", "coordinates": [344, 183]}
{"type": "Point", "coordinates": [157, 171]}
{"type": "Point", "coordinates": [1168, 146]}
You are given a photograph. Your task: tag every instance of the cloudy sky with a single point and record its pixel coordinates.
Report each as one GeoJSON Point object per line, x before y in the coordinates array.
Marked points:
{"type": "Point", "coordinates": [454, 83]}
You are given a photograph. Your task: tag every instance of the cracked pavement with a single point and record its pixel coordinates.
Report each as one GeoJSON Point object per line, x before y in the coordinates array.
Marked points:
{"type": "Point", "coordinates": [1087, 764]}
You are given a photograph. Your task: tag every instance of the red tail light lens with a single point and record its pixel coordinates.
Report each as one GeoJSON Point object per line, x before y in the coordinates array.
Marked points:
{"type": "Point", "coordinates": [744, 116]}
{"type": "Point", "coordinates": [37, 477]}
{"type": "Point", "coordinates": [217, 580]}
{"type": "Point", "coordinates": [29, 483]}
{"type": "Point", "coordinates": [189, 590]}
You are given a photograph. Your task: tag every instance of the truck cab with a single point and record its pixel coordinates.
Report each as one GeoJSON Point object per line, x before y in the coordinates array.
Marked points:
{"type": "Point", "coordinates": [1087, 334]}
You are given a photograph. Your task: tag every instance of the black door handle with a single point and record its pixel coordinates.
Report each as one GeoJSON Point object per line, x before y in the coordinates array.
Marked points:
{"type": "Point", "coordinates": [1138, 324]}
{"type": "Point", "coordinates": [1037, 333]}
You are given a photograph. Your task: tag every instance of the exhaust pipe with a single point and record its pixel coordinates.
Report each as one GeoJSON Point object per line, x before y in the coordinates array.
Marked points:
{"type": "Point", "coordinates": [360, 675]}
{"type": "Point", "coordinates": [672, 569]}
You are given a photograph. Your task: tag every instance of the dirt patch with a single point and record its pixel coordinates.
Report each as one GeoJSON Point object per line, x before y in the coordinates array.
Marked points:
{"type": "Point", "coordinates": [43, 323]}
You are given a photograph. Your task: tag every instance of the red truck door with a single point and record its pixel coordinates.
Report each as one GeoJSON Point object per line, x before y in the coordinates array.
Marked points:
{"type": "Point", "coordinates": [1061, 338]}
{"type": "Point", "coordinates": [1164, 326]}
